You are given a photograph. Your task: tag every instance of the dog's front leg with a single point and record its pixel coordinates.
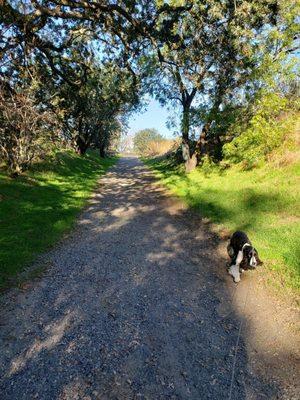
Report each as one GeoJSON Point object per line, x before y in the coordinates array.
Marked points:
{"type": "Point", "coordinates": [234, 269]}
{"type": "Point", "coordinates": [239, 258]}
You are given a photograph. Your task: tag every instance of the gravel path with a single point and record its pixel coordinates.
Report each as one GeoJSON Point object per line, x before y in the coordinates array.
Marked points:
{"type": "Point", "coordinates": [133, 307]}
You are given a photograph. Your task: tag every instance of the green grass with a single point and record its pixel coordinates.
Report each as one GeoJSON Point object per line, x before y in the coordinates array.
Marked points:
{"type": "Point", "coordinates": [39, 206]}
{"type": "Point", "coordinates": [264, 202]}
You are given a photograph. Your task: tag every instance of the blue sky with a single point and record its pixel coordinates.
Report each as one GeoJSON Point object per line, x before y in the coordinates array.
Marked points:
{"type": "Point", "coordinates": [155, 116]}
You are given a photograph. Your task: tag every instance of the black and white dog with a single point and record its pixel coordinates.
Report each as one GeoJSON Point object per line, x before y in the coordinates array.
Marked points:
{"type": "Point", "coordinates": [243, 255]}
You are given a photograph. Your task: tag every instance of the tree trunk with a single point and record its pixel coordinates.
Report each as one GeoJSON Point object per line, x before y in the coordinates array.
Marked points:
{"type": "Point", "coordinates": [102, 151]}
{"type": "Point", "coordinates": [185, 128]}
{"type": "Point", "coordinates": [81, 141]}
{"type": "Point", "coordinates": [14, 161]}
{"type": "Point", "coordinates": [81, 146]}
{"type": "Point", "coordinates": [14, 167]}
{"type": "Point", "coordinates": [185, 123]}
{"type": "Point", "coordinates": [201, 146]}
{"type": "Point", "coordinates": [191, 163]}
{"type": "Point", "coordinates": [186, 101]}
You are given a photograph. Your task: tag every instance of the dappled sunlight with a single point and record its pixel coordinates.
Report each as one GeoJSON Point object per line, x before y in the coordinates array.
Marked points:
{"type": "Point", "coordinates": [124, 212]}
{"type": "Point", "coordinates": [61, 298]}
{"type": "Point", "coordinates": [146, 302]}
{"type": "Point", "coordinates": [259, 202]}
{"type": "Point", "coordinates": [162, 257]}
{"type": "Point", "coordinates": [39, 206]}
{"type": "Point", "coordinates": [119, 223]}
{"type": "Point", "coordinates": [75, 390]}
{"type": "Point", "coordinates": [55, 331]}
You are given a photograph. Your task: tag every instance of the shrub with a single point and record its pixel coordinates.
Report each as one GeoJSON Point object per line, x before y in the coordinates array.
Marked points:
{"type": "Point", "coordinates": [24, 130]}
{"type": "Point", "coordinates": [208, 165]}
{"type": "Point", "coordinates": [265, 132]}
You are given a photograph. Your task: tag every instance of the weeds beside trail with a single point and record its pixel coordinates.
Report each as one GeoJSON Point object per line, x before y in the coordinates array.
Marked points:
{"type": "Point", "coordinates": [265, 202]}
{"type": "Point", "coordinates": [39, 206]}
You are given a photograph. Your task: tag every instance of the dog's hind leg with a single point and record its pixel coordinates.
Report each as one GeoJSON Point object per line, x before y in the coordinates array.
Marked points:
{"type": "Point", "coordinates": [234, 271]}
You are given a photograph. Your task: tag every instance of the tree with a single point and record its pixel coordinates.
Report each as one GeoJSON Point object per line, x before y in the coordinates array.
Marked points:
{"type": "Point", "coordinates": [202, 50]}
{"type": "Point", "coordinates": [74, 58]}
{"type": "Point", "coordinates": [91, 112]}
{"type": "Point", "coordinates": [143, 137]}
{"type": "Point", "coordinates": [270, 79]}
{"type": "Point", "coordinates": [25, 130]}
{"type": "Point", "coordinates": [90, 59]}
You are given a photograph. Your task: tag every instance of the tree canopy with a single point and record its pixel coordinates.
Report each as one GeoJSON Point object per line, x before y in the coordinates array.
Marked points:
{"type": "Point", "coordinates": [88, 63]}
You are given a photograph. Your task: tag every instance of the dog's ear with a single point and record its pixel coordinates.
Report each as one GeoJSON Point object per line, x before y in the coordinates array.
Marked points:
{"type": "Point", "coordinates": [246, 251]}
{"type": "Point", "coordinates": [244, 263]}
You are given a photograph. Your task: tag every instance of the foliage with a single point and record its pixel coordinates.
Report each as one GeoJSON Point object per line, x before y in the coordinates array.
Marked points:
{"type": "Point", "coordinates": [258, 113]}
{"type": "Point", "coordinates": [93, 59]}
{"type": "Point", "coordinates": [25, 130]}
{"type": "Point", "coordinates": [207, 165]}
{"type": "Point", "coordinates": [95, 113]}
{"type": "Point", "coordinates": [266, 130]}
{"type": "Point", "coordinates": [39, 206]}
{"type": "Point", "coordinates": [77, 69]}
{"type": "Point", "coordinates": [143, 137]}
{"type": "Point", "coordinates": [264, 202]}
{"type": "Point", "coordinates": [206, 51]}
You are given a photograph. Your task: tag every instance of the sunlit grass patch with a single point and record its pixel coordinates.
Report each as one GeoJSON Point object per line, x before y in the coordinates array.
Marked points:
{"type": "Point", "coordinates": [264, 202]}
{"type": "Point", "coordinates": [38, 207]}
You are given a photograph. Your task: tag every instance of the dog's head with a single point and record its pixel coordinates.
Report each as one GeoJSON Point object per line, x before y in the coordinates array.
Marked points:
{"type": "Point", "coordinates": [251, 259]}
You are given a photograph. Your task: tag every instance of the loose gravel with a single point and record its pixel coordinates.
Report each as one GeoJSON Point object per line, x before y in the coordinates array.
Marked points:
{"type": "Point", "coordinates": [129, 308]}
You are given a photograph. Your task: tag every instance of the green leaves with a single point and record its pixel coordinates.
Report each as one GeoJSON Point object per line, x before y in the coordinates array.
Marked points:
{"type": "Point", "coordinates": [144, 137]}
{"type": "Point", "coordinates": [93, 60]}
{"type": "Point", "coordinates": [263, 133]}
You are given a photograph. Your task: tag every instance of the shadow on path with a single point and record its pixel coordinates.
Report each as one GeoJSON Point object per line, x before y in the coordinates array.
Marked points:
{"type": "Point", "coordinates": [130, 308]}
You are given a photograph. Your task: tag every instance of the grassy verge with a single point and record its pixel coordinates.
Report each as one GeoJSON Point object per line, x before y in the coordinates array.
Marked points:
{"type": "Point", "coordinates": [39, 206]}
{"type": "Point", "coordinates": [264, 202]}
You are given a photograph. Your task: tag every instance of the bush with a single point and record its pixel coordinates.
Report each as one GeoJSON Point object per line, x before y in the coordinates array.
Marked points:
{"type": "Point", "coordinates": [208, 166]}
{"type": "Point", "coordinates": [265, 132]}
{"type": "Point", "coordinates": [25, 130]}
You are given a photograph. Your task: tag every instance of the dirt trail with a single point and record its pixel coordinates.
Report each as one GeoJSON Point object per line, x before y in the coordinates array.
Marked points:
{"type": "Point", "coordinates": [137, 305]}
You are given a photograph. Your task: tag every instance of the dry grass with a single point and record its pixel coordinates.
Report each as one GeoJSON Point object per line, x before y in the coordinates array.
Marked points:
{"type": "Point", "coordinates": [289, 152]}
{"type": "Point", "coordinates": [159, 148]}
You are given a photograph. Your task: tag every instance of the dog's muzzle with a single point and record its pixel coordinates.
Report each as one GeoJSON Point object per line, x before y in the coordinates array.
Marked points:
{"type": "Point", "coordinates": [253, 262]}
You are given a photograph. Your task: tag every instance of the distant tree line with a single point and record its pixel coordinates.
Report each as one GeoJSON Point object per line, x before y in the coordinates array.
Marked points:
{"type": "Point", "coordinates": [77, 69]}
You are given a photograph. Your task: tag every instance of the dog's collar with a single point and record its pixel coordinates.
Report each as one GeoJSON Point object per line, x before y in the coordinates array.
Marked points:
{"type": "Point", "coordinates": [246, 244]}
